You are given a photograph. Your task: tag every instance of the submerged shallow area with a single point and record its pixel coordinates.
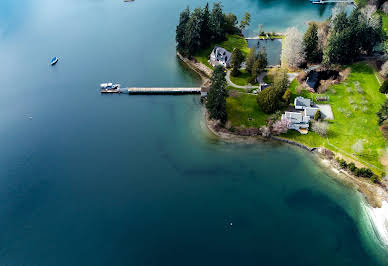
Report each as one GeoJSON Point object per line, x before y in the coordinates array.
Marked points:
{"type": "Point", "coordinates": [90, 179]}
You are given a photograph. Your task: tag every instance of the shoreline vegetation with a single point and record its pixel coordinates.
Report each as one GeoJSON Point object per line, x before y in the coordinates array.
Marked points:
{"type": "Point", "coordinates": [352, 146]}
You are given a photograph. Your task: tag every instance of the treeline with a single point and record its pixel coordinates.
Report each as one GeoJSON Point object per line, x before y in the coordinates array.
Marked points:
{"type": "Point", "coordinates": [359, 172]}
{"type": "Point", "coordinates": [339, 40]}
{"type": "Point", "coordinates": [198, 29]}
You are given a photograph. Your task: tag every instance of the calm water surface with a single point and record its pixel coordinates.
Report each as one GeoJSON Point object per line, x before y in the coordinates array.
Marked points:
{"type": "Point", "coordinates": [96, 179]}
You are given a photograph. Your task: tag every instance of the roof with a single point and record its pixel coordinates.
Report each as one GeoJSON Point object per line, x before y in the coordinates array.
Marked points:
{"type": "Point", "coordinates": [300, 101]}
{"type": "Point", "coordinates": [222, 54]}
{"type": "Point", "coordinates": [296, 118]}
{"type": "Point", "coordinates": [310, 111]}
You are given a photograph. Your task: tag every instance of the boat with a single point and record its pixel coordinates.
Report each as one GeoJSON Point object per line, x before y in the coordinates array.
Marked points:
{"type": "Point", "coordinates": [110, 87]}
{"type": "Point", "coordinates": [54, 60]}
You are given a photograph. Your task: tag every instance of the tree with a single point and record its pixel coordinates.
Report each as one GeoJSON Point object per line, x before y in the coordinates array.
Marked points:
{"type": "Point", "coordinates": [246, 21]}
{"type": "Point", "coordinates": [216, 98]}
{"type": "Point", "coordinates": [260, 63]}
{"type": "Point", "coordinates": [280, 127]}
{"type": "Point", "coordinates": [370, 16]}
{"type": "Point", "coordinates": [181, 30]}
{"type": "Point", "coordinates": [310, 44]}
{"type": "Point", "coordinates": [193, 32]}
{"type": "Point", "coordinates": [217, 22]}
{"type": "Point", "coordinates": [321, 128]}
{"type": "Point", "coordinates": [385, 8]}
{"type": "Point", "coordinates": [268, 100]}
{"type": "Point", "coordinates": [292, 49]}
{"type": "Point", "coordinates": [384, 87]}
{"type": "Point", "coordinates": [358, 147]}
{"type": "Point", "coordinates": [287, 96]}
{"type": "Point", "coordinates": [251, 59]}
{"type": "Point", "coordinates": [205, 28]}
{"type": "Point", "coordinates": [384, 69]}
{"type": "Point", "coordinates": [382, 114]}
{"type": "Point", "coordinates": [236, 61]}
{"type": "Point", "coordinates": [230, 22]}
{"type": "Point", "coordinates": [317, 115]}
{"type": "Point", "coordinates": [280, 81]}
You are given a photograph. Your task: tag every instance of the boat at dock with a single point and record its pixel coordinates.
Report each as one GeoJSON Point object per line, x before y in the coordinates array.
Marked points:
{"type": "Point", "coordinates": [110, 88]}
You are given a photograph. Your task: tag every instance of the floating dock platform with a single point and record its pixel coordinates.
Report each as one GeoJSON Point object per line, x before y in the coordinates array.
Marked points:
{"type": "Point", "coordinates": [177, 91]}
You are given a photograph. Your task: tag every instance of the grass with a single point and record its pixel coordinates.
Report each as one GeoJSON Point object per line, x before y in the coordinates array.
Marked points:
{"type": "Point", "coordinates": [241, 107]}
{"type": "Point", "coordinates": [242, 79]}
{"type": "Point", "coordinates": [232, 41]}
{"type": "Point", "coordinates": [354, 116]}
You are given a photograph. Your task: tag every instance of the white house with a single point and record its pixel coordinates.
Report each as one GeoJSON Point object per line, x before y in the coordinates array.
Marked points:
{"type": "Point", "coordinates": [220, 56]}
{"type": "Point", "coordinates": [297, 121]}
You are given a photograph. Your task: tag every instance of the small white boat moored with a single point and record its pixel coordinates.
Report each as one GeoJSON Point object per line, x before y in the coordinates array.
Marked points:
{"type": "Point", "coordinates": [54, 60]}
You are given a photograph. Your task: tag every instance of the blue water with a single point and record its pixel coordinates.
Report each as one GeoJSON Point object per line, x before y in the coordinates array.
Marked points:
{"type": "Point", "coordinates": [91, 179]}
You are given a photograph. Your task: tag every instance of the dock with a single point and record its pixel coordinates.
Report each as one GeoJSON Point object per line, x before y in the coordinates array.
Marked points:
{"type": "Point", "coordinates": [331, 1]}
{"type": "Point", "coordinates": [176, 91]}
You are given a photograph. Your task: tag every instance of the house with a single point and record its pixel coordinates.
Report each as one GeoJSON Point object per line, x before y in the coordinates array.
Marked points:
{"type": "Point", "coordinates": [310, 111]}
{"type": "Point", "coordinates": [297, 121]}
{"type": "Point", "coordinates": [301, 103]}
{"type": "Point", "coordinates": [220, 56]}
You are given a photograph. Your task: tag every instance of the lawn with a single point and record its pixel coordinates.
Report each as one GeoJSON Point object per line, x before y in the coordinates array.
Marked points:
{"type": "Point", "coordinates": [232, 41]}
{"type": "Point", "coordinates": [240, 107]}
{"type": "Point", "coordinates": [241, 79]}
{"type": "Point", "coordinates": [354, 107]}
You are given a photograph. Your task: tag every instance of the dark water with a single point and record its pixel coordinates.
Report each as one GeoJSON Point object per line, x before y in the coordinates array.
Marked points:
{"type": "Point", "coordinates": [96, 179]}
{"type": "Point", "coordinates": [273, 48]}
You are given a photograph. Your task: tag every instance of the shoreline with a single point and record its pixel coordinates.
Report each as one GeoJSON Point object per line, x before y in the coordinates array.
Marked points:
{"type": "Point", "coordinates": [374, 199]}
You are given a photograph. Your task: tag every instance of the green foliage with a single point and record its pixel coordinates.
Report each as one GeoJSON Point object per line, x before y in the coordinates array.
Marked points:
{"type": "Point", "coordinates": [216, 98]}
{"type": "Point", "coordinates": [217, 22]}
{"type": "Point", "coordinates": [310, 43]}
{"type": "Point", "coordinates": [317, 115]}
{"type": "Point", "coordinates": [193, 32]}
{"type": "Point", "coordinates": [236, 61]}
{"type": "Point", "coordinates": [230, 24]}
{"type": "Point", "coordinates": [280, 82]}
{"type": "Point", "coordinates": [343, 164]}
{"type": "Point", "coordinates": [260, 64]}
{"type": "Point", "coordinates": [246, 21]}
{"type": "Point", "coordinates": [287, 96]}
{"type": "Point", "coordinates": [382, 114]}
{"type": "Point", "coordinates": [181, 31]}
{"type": "Point", "coordinates": [206, 32]}
{"type": "Point", "coordinates": [251, 59]}
{"type": "Point", "coordinates": [349, 38]}
{"type": "Point", "coordinates": [384, 87]}
{"type": "Point", "coordinates": [352, 167]}
{"type": "Point", "coordinates": [268, 100]}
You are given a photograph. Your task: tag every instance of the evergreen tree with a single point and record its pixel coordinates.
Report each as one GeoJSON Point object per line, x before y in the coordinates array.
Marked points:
{"type": "Point", "coordinates": [205, 29]}
{"type": "Point", "coordinates": [251, 59]}
{"type": "Point", "coordinates": [310, 43]}
{"type": "Point", "coordinates": [193, 32]}
{"type": "Point", "coordinates": [259, 65]}
{"type": "Point", "coordinates": [181, 30]}
{"type": "Point", "coordinates": [230, 22]}
{"type": "Point", "coordinates": [217, 23]}
{"type": "Point", "coordinates": [236, 61]}
{"type": "Point", "coordinates": [216, 97]}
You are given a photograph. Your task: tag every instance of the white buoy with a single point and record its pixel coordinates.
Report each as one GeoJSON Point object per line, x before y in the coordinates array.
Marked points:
{"type": "Point", "coordinates": [231, 224]}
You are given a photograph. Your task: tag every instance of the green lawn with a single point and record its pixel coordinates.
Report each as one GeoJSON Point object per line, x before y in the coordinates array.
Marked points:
{"type": "Point", "coordinates": [244, 106]}
{"type": "Point", "coordinates": [232, 41]}
{"type": "Point", "coordinates": [354, 116]}
{"type": "Point", "coordinates": [241, 79]}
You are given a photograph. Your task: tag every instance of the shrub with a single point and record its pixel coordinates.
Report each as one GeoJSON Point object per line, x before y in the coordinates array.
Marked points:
{"type": "Point", "coordinates": [321, 128]}
{"type": "Point", "coordinates": [352, 167]}
{"type": "Point", "coordinates": [384, 87]}
{"type": "Point", "coordinates": [287, 96]}
{"type": "Point", "coordinates": [317, 115]}
{"type": "Point", "coordinates": [343, 164]}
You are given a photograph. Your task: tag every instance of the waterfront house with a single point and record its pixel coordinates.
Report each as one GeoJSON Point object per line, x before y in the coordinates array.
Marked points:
{"type": "Point", "coordinates": [310, 111]}
{"type": "Point", "coordinates": [220, 56]}
{"type": "Point", "coordinates": [301, 103]}
{"type": "Point", "coordinates": [297, 121]}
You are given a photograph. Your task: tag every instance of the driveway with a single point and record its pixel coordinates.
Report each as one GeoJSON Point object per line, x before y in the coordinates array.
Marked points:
{"type": "Point", "coordinates": [247, 87]}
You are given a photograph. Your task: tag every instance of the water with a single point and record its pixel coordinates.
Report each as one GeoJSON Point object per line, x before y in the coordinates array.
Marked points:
{"type": "Point", "coordinates": [273, 48]}
{"type": "Point", "coordinates": [96, 179]}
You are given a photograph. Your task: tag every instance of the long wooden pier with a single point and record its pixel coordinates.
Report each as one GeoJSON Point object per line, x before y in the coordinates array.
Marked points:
{"type": "Point", "coordinates": [154, 90]}
{"type": "Point", "coordinates": [331, 1]}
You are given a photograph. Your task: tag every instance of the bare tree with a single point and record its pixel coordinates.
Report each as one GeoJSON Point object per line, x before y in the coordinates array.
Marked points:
{"type": "Point", "coordinates": [385, 8]}
{"type": "Point", "coordinates": [292, 49]}
{"type": "Point", "coordinates": [323, 34]}
{"type": "Point", "coordinates": [370, 16]}
{"type": "Point", "coordinates": [321, 128]}
{"type": "Point", "coordinates": [358, 147]}
{"type": "Point", "coordinates": [280, 127]}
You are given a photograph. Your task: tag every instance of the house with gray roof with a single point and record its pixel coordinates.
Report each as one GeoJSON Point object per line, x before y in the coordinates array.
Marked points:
{"type": "Point", "coordinates": [310, 111]}
{"type": "Point", "coordinates": [297, 121]}
{"type": "Point", "coordinates": [220, 56]}
{"type": "Point", "coordinates": [301, 103]}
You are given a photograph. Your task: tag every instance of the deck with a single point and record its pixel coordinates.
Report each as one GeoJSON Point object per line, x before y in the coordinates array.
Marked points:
{"type": "Point", "coordinates": [155, 90]}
